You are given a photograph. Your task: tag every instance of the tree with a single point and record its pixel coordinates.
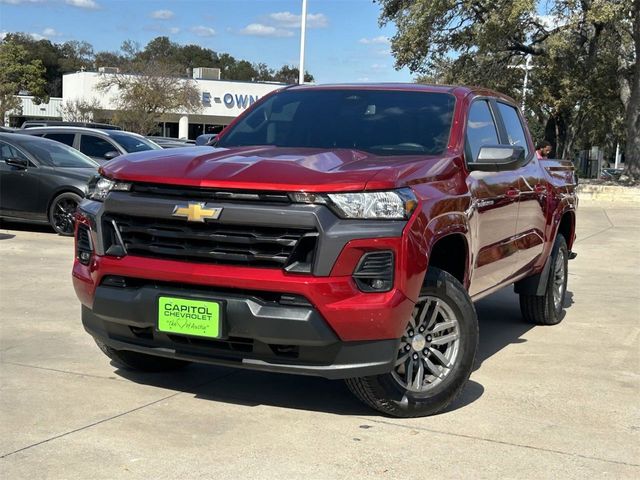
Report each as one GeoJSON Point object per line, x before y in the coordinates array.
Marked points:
{"type": "Point", "coordinates": [18, 74]}
{"type": "Point", "coordinates": [148, 89]}
{"type": "Point", "coordinates": [630, 96]}
{"type": "Point", "coordinates": [576, 52]}
{"type": "Point", "coordinates": [289, 74]}
{"type": "Point", "coordinates": [80, 110]}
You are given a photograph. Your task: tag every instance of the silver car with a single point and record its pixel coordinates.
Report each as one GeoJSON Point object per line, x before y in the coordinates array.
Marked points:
{"type": "Point", "coordinates": [100, 145]}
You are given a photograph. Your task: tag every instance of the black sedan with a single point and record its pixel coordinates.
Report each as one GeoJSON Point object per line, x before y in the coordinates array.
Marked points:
{"type": "Point", "coordinates": [42, 181]}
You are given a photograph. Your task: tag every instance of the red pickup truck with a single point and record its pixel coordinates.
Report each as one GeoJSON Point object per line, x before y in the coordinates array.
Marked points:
{"type": "Point", "coordinates": [342, 231]}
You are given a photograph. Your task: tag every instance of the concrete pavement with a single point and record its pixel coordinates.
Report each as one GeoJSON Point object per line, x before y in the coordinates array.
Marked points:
{"type": "Point", "coordinates": [543, 402]}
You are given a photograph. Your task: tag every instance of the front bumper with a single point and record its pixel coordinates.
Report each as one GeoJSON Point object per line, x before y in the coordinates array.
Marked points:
{"type": "Point", "coordinates": [339, 332]}
{"type": "Point", "coordinates": [260, 332]}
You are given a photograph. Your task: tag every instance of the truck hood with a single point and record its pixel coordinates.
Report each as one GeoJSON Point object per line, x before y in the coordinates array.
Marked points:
{"type": "Point", "coordinates": [267, 168]}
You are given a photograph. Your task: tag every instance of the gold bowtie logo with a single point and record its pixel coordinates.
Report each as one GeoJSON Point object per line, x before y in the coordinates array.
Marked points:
{"type": "Point", "coordinates": [197, 212]}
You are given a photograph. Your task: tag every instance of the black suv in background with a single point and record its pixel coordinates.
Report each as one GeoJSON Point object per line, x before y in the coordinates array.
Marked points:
{"type": "Point", "coordinates": [100, 145]}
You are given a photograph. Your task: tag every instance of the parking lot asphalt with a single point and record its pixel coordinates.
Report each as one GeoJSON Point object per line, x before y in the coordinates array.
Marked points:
{"type": "Point", "coordinates": [543, 402]}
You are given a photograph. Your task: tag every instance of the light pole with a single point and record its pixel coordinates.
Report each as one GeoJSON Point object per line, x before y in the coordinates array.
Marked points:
{"type": "Point", "coordinates": [303, 27]}
{"type": "Point", "coordinates": [526, 67]}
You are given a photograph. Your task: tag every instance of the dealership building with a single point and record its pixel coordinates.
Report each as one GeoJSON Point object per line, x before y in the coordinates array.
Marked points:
{"type": "Point", "coordinates": [222, 101]}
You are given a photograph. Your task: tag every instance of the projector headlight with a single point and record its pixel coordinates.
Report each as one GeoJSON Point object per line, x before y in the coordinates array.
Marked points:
{"type": "Point", "coordinates": [99, 187]}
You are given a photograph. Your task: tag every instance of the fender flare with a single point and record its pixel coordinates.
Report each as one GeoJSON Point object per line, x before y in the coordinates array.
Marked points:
{"type": "Point", "coordinates": [445, 225]}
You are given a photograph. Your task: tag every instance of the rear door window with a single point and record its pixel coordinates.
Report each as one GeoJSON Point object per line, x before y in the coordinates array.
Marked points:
{"type": "Point", "coordinates": [66, 138]}
{"type": "Point", "coordinates": [95, 146]}
{"type": "Point", "coordinates": [513, 124]}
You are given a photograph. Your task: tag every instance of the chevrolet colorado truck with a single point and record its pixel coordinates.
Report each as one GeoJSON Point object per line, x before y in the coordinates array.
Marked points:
{"type": "Point", "coordinates": [342, 231]}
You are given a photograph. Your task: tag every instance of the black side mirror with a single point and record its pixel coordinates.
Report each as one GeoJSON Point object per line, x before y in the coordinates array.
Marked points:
{"type": "Point", "coordinates": [111, 155]}
{"type": "Point", "coordinates": [496, 158]}
{"type": "Point", "coordinates": [21, 163]}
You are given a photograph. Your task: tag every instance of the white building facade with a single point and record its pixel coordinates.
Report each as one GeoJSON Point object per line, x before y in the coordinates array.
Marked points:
{"type": "Point", "coordinates": [222, 101]}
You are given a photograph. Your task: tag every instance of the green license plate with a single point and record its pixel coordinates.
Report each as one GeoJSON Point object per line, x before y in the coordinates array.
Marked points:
{"type": "Point", "coordinates": [189, 317]}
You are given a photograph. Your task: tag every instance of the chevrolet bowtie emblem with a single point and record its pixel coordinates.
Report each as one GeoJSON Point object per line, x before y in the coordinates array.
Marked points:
{"type": "Point", "coordinates": [197, 212]}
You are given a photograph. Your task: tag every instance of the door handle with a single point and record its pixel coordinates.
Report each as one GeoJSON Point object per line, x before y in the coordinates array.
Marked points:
{"type": "Point", "coordinates": [513, 193]}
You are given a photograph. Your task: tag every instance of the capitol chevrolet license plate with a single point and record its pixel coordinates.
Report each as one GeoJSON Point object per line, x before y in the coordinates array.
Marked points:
{"type": "Point", "coordinates": [197, 318]}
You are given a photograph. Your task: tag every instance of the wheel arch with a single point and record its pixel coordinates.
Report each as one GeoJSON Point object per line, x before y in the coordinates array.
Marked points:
{"type": "Point", "coordinates": [59, 191]}
{"type": "Point", "coordinates": [447, 233]}
{"type": "Point", "coordinates": [567, 227]}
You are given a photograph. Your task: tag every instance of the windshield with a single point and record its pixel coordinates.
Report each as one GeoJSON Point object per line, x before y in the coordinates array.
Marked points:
{"type": "Point", "coordinates": [57, 154]}
{"type": "Point", "coordinates": [377, 121]}
{"type": "Point", "coordinates": [133, 143]}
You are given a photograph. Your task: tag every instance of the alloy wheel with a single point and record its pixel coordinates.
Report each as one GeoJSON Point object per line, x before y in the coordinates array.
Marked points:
{"type": "Point", "coordinates": [559, 280]}
{"type": "Point", "coordinates": [64, 215]}
{"type": "Point", "coordinates": [429, 348]}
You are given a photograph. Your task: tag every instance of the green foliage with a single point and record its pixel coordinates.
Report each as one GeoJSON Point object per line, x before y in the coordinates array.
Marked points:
{"type": "Point", "coordinates": [581, 53]}
{"type": "Point", "coordinates": [72, 56]}
{"type": "Point", "coordinates": [18, 73]}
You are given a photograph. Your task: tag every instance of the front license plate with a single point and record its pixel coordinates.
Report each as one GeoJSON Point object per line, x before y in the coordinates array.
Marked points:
{"type": "Point", "coordinates": [189, 317]}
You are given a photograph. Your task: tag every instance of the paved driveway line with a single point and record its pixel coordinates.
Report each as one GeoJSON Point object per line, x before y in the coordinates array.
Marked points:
{"type": "Point", "coordinates": [606, 229]}
{"type": "Point", "coordinates": [104, 420]}
{"type": "Point", "coordinates": [499, 442]}
{"type": "Point", "coordinates": [68, 372]}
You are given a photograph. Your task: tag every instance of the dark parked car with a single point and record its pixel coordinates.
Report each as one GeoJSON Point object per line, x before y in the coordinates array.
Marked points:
{"type": "Point", "coordinates": [42, 181]}
{"type": "Point", "coordinates": [101, 145]}
{"type": "Point", "coordinates": [170, 142]}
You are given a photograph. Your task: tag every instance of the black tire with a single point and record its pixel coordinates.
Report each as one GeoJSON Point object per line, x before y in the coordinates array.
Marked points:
{"type": "Point", "coordinates": [385, 392]}
{"type": "Point", "coordinates": [140, 361]}
{"type": "Point", "coordinates": [548, 309]}
{"type": "Point", "coordinates": [62, 213]}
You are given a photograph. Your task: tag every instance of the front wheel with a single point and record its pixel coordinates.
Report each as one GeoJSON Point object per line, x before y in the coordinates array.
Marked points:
{"type": "Point", "coordinates": [62, 213]}
{"type": "Point", "coordinates": [435, 354]}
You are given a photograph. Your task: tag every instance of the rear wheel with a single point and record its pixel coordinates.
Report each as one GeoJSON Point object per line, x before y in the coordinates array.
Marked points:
{"type": "Point", "coordinates": [547, 309]}
{"type": "Point", "coordinates": [141, 361]}
{"type": "Point", "coordinates": [435, 355]}
{"type": "Point", "coordinates": [62, 213]}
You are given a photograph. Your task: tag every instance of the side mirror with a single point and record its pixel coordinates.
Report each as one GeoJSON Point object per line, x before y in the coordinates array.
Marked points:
{"type": "Point", "coordinates": [111, 155]}
{"type": "Point", "coordinates": [496, 158]}
{"type": "Point", "coordinates": [21, 163]}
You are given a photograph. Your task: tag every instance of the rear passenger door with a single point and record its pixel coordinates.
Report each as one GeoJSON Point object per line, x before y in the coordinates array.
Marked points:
{"type": "Point", "coordinates": [96, 147]}
{"type": "Point", "coordinates": [66, 138]}
{"type": "Point", "coordinates": [494, 210]}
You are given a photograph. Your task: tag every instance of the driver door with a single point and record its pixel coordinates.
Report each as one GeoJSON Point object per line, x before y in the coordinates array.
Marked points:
{"type": "Point", "coordinates": [494, 209]}
{"type": "Point", "coordinates": [19, 187]}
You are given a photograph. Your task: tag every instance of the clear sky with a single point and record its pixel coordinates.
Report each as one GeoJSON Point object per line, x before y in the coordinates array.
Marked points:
{"type": "Point", "coordinates": [344, 41]}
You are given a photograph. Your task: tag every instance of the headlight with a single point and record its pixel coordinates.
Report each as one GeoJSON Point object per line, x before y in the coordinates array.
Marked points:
{"type": "Point", "coordinates": [391, 205]}
{"type": "Point", "coordinates": [99, 187]}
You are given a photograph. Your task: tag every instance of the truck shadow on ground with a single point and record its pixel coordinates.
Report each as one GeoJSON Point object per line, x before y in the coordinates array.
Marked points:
{"type": "Point", "coordinates": [501, 325]}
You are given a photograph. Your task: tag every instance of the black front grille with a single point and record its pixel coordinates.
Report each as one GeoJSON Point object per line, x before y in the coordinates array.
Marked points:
{"type": "Point", "coordinates": [273, 247]}
{"type": "Point", "coordinates": [197, 193]}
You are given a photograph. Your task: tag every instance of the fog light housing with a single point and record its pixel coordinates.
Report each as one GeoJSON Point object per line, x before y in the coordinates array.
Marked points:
{"type": "Point", "coordinates": [84, 246]}
{"type": "Point", "coordinates": [374, 272]}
